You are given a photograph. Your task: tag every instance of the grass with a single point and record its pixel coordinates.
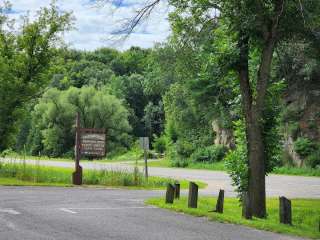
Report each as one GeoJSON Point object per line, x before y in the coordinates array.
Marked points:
{"type": "Point", "coordinates": [14, 156]}
{"type": "Point", "coordinates": [297, 171]}
{"type": "Point", "coordinates": [217, 166]}
{"type": "Point", "coordinates": [131, 155]}
{"type": "Point", "coordinates": [220, 166]}
{"type": "Point", "coordinates": [305, 213]}
{"type": "Point", "coordinates": [17, 182]}
{"type": "Point", "coordinates": [25, 174]}
{"type": "Point", "coordinates": [161, 163]}
{"type": "Point", "coordinates": [135, 155]}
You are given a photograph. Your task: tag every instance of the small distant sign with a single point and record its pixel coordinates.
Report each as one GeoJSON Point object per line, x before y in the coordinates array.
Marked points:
{"type": "Point", "coordinates": [93, 142]}
{"type": "Point", "coordinates": [144, 143]}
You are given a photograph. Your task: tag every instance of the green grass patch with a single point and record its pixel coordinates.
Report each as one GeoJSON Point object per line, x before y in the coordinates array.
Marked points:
{"type": "Point", "coordinates": [220, 166]}
{"type": "Point", "coordinates": [217, 166]}
{"type": "Point", "coordinates": [297, 171]}
{"type": "Point", "coordinates": [305, 214]}
{"type": "Point", "coordinates": [15, 156]}
{"type": "Point", "coordinates": [158, 163]}
{"type": "Point", "coordinates": [17, 173]}
{"type": "Point", "coordinates": [17, 182]}
{"type": "Point", "coordinates": [132, 155]}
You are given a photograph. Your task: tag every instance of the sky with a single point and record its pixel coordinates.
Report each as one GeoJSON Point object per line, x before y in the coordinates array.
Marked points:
{"type": "Point", "coordinates": [96, 24]}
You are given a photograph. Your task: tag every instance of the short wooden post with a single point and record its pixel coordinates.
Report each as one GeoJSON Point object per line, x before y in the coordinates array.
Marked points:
{"type": "Point", "coordinates": [219, 205]}
{"type": "Point", "coordinates": [193, 195]}
{"type": "Point", "coordinates": [246, 206]}
{"type": "Point", "coordinates": [77, 176]}
{"type": "Point", "coordinates": [285, 211]}
{"type": "Point", "coordinates": [170, 193]}
{"type": "Point", "coordinates": [177, 190]}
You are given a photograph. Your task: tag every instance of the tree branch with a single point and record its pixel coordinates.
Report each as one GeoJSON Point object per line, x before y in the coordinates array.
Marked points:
{"type": "Point", "coordinates": [139, 17]}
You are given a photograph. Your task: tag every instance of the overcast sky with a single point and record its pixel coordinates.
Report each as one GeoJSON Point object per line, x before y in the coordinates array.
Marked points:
{"type": "Point", "coordinates": [95, 25]}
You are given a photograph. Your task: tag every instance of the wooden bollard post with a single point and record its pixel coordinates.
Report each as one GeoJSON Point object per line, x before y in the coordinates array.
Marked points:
{"type": "Point", "coordinates": [285, 211]}
{"type": "Point", "coordinates": [219, 206]}
{"type": "Point", "coordinates": [246, 206]}
{"type": "Point", "coordinates": [77, 176]}
{"type": "Point", "coordinates": [177, 190]}
{"type": "Point", "coordinates": [170, 193]}
{"type": "Point", "coordinates": [193, 195]}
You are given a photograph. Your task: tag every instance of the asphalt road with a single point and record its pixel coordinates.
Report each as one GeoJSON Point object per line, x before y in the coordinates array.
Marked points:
{"type": "Point", "coordinates": [276, 185]}
{"type": "Point", "coordinates": [49, 213]}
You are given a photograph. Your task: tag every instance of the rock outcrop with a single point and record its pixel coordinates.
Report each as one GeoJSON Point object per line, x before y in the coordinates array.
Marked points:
{"type": "Point", "coordinates": [301, 116]}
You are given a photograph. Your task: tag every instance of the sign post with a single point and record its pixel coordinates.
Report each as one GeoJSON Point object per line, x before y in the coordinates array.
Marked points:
{"type": "Point", "coordinates": [144, 143]}
{"type": "Point", "coordinates": [89, 142]}
{"type": "Point", "coordinates": [77, 175]}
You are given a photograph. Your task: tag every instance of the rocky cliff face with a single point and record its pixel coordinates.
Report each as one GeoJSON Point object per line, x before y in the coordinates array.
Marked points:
{"type": "Point", "coordinates": [301, 116]}
{"type": "Point", "coordinates": [223, 136]}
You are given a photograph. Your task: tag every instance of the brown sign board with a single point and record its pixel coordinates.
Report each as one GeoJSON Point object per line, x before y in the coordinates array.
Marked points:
{"type": "Point", "coordinates": [92, 142]}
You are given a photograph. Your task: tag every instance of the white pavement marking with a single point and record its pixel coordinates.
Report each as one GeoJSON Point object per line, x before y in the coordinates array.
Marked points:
{"type": "Point", "coordinates": [9, 211]}
{"type": "Point", "coordinates": [113, 208]}
{"type": "Point", "coordinates": [67, 210]}
{"type": "Point", "coordinates": [73, 210]}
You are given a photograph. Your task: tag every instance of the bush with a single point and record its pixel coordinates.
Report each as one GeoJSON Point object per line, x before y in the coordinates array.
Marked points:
{"type": "Point", "coordinates": [304, 147]}
{"type": "Point", "coordinates": [236, 164]}
{"type": "Point", "coordinates": [209, 154]}
{"type": "Point", "coordinates": [313, 160]}
{"type": "Point", "coordinates": [6, 152]}
{"type": "Point", "coordinates": [184, 149]}
{"type": "Point", "coordinates": [175, 159]}
{"type": "Point", "coordinates": [179, 162]}
{"type": "Point", "coordinates": [160, 144]}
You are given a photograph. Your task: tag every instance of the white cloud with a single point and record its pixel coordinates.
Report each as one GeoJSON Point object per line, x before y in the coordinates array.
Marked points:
{"type": "Point", "coordinates": [95, 25]}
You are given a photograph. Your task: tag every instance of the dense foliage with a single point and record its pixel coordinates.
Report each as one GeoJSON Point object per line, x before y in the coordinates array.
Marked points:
{"type": "Point", "coordinates": [53, 119]}
{"type": "Point", "coordinates": [25, 55]}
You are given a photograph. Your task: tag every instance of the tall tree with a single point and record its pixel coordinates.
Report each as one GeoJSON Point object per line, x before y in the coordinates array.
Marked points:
{"type": "Point", "coordinates": [24, 57]}
{"type": "Point", "coordinates": [251, 24]}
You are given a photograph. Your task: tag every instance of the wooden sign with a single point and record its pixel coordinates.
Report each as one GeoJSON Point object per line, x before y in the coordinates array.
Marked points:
{"type": "Point", "coordinates": [92, 142]}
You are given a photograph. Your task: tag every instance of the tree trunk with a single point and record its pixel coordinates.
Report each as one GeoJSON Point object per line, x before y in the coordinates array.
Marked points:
{"type": "Point", "coordinates": [256, 156]}
{"type": "Point", "coordinates": [253, 113]}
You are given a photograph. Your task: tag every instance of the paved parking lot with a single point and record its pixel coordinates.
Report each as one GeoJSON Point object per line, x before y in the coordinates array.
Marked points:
{"type": "Point", "coordinates": [32, 213]}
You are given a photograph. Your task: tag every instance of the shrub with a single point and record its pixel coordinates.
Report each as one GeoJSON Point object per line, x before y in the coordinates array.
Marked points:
{"type": "Point", "coordinates": [304, 147]}
{"type": "Point", "coordinates": [160, 144]}
{"type": "Point", "coordinates": [179, 162]}
{"type": "Point", "coordinates": [175, 159]}
{"type": "Point", "coordinates": [6, 152]}
{"type": "Point", "coordinates": [184, 148]}
{"type": "Point", "coordinates": [313, 160]}
{"type": "Point", "coordinates": [209, 154]}
{"type": "Point", "coordinates": [237, 167]}
{"type": "Point", "coordinates": [237, 162]}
